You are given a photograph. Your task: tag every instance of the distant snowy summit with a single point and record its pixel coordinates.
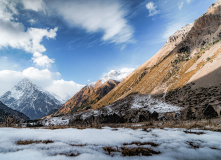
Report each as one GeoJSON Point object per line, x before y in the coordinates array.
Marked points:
{"type": "Point", "coordinates": [31, 100]}
{"type": "Point", "coordinates": [116, 75]}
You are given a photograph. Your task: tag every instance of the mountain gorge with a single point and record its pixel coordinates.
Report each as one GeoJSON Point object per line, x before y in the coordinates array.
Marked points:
{"type": "Point", "coordinates": [29, 99]}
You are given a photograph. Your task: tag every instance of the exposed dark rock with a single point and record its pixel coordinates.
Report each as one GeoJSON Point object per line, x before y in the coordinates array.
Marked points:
{"type": "Point", "coordinates": [209, 112]}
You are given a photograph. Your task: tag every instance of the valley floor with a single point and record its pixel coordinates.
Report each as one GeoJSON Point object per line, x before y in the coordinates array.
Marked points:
{"type": "Point", "coordinates": [109, 143]}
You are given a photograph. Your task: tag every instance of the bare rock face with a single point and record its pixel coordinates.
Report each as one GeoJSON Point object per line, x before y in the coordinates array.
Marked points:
{"type": "Point", "coordinates": [180, 35]}
{"type": "Point", "coordinates": [86, 97]}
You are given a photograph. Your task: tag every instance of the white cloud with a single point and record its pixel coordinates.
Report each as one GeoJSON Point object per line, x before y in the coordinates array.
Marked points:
{"type": "Point", "coordinates": [15, 35]}
{"type": "Point", "coordinates": [97, 16]}
{"type": "Point", "coordinates": [152, 8]}
{"type": "Point", "coordinates": [35, 5]}
{"type": "Point", "coordinates": [32, 21]}
{"type": "Point", "coordinates": [64, 90]}
{"type": "Point", "coordinates": [42, 60]}
{"type": "Point", "coordinates": [180, 5]}
{"type": "Point", "coordinates": [45, 79]}
{"type": "Point", "coordinates": [7, 9]}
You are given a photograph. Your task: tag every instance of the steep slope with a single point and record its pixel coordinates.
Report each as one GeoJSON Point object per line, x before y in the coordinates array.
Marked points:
{"type": "Point", "coordinates": [6, 113]}
{"type": "Point", "coordinates": [29, 99]}
{"type": "Point", "coordinates": [87, 96]}
{"type": "Point", "coordinates": [190, 54]}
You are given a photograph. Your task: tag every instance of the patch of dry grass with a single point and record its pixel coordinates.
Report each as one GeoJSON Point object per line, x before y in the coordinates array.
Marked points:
{"type": "Point", "coordinates": [140, 151]}
{"type": "Point", "coordinates": [191, 132]}
{"type": "Point", "coordinates": [194, 145]}
{"type": "Point", "coordinates": [109, 150]}
{"type": "Point", "coordinates": [70, 154]}
{"type": "Point", "coordinates": [142, 144]}
{"type": "Point", "coordinates": [78, 145]}
{"type": "Point", "coordinates": [27, 142]}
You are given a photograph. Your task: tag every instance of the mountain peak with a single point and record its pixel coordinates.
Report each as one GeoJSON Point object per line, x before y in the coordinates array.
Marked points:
{"type": "Point", "coordinates": [181, 33]}
{"type": "Point", "coordinates": [29, 99]}
{"type": "Point", "coordinates": [25, 84]}
{"type": "Point", "coordinates": [114, 75]}
{"type": "Point", "coordinates": [117, 75]}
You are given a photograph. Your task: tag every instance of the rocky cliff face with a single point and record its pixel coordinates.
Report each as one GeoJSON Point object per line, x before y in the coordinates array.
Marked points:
{"type": "Point", "coordinates": [87, 97]}
{"type": "Point", "coordinates": [189, 58]}
{"type": "Point", "coordinates": [29, 99]}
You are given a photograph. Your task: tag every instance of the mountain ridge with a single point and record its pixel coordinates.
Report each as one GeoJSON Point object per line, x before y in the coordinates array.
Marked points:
{"type": "Point", "coordinates": [29, 99]}
{"type": "Point", "coordinates": [86, 97]}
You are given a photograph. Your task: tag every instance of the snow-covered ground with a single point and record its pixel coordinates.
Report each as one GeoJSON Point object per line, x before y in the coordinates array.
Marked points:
{"type": "Point", "coordinates": [152, 104]}
{"type": "Point", "coordinates": [174, 144]}
{"type": "Point", "coordinates": [56, 121]}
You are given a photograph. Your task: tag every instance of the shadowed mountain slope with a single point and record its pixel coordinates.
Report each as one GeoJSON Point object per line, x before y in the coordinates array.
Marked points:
{"type": "Point", "coordinates": [6, 112]}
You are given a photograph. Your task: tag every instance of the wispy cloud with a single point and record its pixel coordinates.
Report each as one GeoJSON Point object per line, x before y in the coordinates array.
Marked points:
{"type": "Point", "coordinates": [188, 1]}
{"type": "Point", "coordinates": [42, 60]}
{"type": "Point", "coordinates": [176, 16]}
{"type": "Point", "coordinates": [32, 21]}
{"type": "Point", "coordinates": [97, 16]}
{"type": "Point", "coordinates": [35, 5]}
{"type": "Point", "coordinates": [180, 5]}
{"type": "Point", "coordinates": [152, 9]}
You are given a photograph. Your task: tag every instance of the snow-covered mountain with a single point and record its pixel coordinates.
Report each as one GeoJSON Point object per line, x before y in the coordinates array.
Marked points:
{"type": "Point", "coordinates": [29, 99]}
{"type": "Point", "coordinates": [117, 75]}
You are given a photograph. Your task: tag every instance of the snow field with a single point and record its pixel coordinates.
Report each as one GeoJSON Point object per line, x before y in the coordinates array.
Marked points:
{"type": "Point", "coordinates": [174, 144]}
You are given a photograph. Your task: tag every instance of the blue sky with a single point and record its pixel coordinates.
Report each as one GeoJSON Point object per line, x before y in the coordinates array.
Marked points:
{"type": "Point", "coordinates": [77, 42]}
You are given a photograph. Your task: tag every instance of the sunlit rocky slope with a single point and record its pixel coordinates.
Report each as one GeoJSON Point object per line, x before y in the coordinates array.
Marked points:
{"type": "Point", "coordinates": [185, 72]}
{"type": "Point", "coordinates": [86, 97]}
